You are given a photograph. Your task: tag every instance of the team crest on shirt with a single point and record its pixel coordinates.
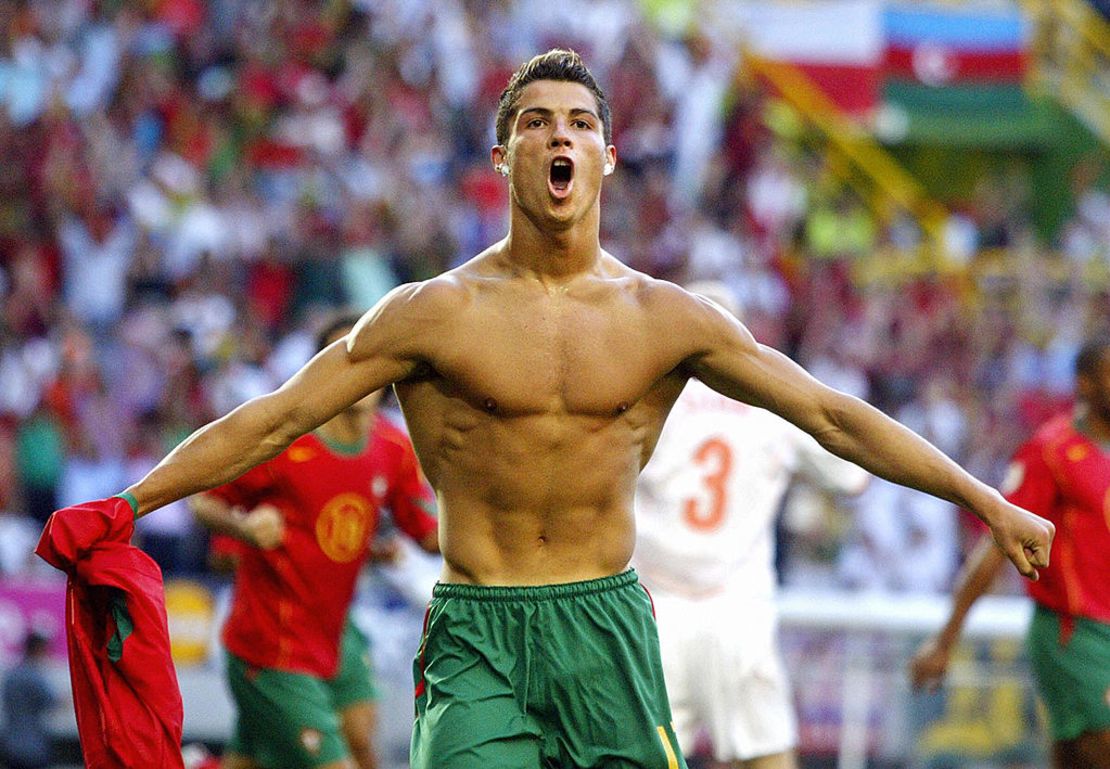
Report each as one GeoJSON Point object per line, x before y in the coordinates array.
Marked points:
{"type": "Point", "coordinates": [343, 527]}
{"type": "Point", "coordinates": [1077, 453]}
{"type": "Point", "coordinates": [300, 453]}
{"type": "Point", "coordinates": [1015, 474]}
{"type": "Point", "coordinates": [311, 740]}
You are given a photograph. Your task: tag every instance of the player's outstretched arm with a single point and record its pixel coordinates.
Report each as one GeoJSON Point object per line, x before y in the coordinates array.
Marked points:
{"type": "Point", "coordinates": [930, 664]}
{"type": "Point", "coordinates": [728, 359]}
{"type": "Point", "coordinates": [380, 350]}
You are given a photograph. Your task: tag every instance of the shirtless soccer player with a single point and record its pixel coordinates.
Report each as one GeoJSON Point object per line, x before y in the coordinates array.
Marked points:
{"type": "Point", "coordinates": [535, 379]}
{"type": "Point", "coordinates": [297, 668]}
{"type": "Point", "coordinates": [705, 538]}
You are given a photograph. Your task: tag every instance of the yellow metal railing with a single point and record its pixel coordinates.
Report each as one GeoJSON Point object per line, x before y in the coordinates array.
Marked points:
{"type": "Point", "coordinates": [882, 183]}
{"type": "Point", "coordinates": [1071, 58]}
{"type": "Point", "coordinates": [1004, 269]}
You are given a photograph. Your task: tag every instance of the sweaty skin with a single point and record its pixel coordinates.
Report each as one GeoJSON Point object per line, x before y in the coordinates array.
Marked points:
{"type": "Point", "coordinates": [536, 377]}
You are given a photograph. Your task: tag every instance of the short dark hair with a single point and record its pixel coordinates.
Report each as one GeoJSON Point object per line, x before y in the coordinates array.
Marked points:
{"type": "Point", "coordinates": [340, 322]}
{"type": "Point", "coordinates": [1091, 355]}
{"type": "Point", "coordinates": [557, 64]}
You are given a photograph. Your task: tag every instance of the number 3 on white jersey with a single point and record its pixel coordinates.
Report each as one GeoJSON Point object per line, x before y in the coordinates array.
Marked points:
{"type": "Point", "coordinates": [715, 457]}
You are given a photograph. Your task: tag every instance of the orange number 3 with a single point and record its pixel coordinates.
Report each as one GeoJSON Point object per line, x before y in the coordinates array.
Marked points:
{"type": "Point", "coordinates": [718, 455]}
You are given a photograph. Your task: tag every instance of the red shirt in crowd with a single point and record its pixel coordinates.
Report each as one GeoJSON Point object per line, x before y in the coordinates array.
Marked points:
{"type": "Point", "coordinates": [290, 603]}
{"type": "Point", "coordinates": [1064, 476]}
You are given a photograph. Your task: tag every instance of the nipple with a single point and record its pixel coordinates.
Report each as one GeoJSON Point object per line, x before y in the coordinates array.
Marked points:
{"type": "Point", "coordinates": [622, 407]}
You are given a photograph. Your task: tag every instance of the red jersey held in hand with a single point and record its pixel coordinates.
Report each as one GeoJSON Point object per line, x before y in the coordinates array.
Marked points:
{"type": "Point", "coordinates": [290, 603]}
{"type": "Point", "coordinates": [1064, 476]}
{"type": "Point", "coordinates": [125, 691]}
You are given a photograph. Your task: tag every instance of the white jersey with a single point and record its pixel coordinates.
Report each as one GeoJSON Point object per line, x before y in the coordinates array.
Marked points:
{"type": "Point", "coordinates": [707, 500]}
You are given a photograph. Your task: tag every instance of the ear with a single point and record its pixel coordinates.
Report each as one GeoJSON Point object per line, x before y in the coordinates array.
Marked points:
{"type": "Point", "coordinates": [500, 159]}
{"type": "Point", "coordinates": [610, 160]}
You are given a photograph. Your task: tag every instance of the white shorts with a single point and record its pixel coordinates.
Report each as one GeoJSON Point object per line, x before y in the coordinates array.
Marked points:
{"type": "Point", "coordinates": [725, 675]}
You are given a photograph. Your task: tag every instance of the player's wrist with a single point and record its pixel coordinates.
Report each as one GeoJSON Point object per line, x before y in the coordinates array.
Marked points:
{"type": "Point", "coordinates": [988, 505]}
{"type": "Point", "coordinates": [129, 498]}
{"type": "Point", "coordinates": [946, 640]}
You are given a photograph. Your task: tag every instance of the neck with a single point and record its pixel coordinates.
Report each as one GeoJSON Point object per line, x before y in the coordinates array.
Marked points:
{"type": "Point", "coordinates": [348, 429]}
{"type": "Point", "coordinates": [553, 252]}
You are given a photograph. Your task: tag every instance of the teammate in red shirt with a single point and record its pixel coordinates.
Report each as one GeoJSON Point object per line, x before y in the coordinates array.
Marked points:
{"type": "Point", "coordinates": [311, 514]}
{"type": "Point", "coordinates": [1063, 474]}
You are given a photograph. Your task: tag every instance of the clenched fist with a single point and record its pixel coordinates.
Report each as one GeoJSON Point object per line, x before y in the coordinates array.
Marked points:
{"type": "Point", "coordinates": [1025, 538]}
{"type": "Point", "coordinates": [264, 527]}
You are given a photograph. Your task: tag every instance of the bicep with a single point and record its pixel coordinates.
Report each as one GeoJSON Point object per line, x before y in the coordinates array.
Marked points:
{"type": "Point", "coordinates": [382, 348]}
{"type": "Point", "coordinates": [736, 365]}
{"type": "Point", "coordinates": [333, 380]}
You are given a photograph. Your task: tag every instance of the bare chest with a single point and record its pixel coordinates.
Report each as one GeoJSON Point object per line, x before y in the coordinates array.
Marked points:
{"type": "Point", "coordinates": [570, 358]}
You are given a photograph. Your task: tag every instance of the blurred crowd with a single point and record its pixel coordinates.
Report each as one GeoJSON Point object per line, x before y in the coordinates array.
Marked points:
{"type": "Point", "coordinates": [190, 187]}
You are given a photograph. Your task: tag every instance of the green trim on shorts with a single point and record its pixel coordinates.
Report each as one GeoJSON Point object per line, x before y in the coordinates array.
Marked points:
{"type": "Point", "coordinates": [554, 675]}
{"type": "Point", "coordinates": [1073, 678]}
{"type": "Point", "coordinates": [537, 593]}
{"type": "Point", "coordinates": [285, 720]}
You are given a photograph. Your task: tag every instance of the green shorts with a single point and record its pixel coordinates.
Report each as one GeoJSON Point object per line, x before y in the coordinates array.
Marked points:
{"type": "Point", "coordinates": [354, 681]}
{"type": "Point", "coordinates": [530, 677]}
{"type": "Point", "coordinates": [1073, 678]}
{"type": "Point", "coordinates": [291, 720]}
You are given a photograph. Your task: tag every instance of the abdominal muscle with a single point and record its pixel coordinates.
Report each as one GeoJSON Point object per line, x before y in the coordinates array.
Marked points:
{"type": "Point", "coordinates": [500, 547]}
{"type": "Point", "coordinates": [532, 500]}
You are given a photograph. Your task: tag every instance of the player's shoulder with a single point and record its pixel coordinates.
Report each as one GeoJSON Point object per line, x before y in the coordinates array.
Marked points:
{"type": "Point", "coordinates": [1053, 440]}
{"type": "Point", "coordinates": [445, 295]}
{"type": "Point", "coordinates": [427, 298]}
{"type": "Point", "coordinates": [1055, 432]}
{"type": "Point", "coordinates": [410, 316]}
{"type": "Point", "coordinates": [666, 299]}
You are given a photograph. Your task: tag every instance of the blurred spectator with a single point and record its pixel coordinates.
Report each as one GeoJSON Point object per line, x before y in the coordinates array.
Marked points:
{"type": "Point", "coordinates": [901, 541]}
{"type": "Point", "coordinates": [41, 456]}
{"type": "Point", "coordinates": [18, 537]}
{"type": "Point", "coordinates": [707, 66]}
{"type": "Point", "coordinates": [838, 227]}
{"type": "Point", "coordinates": [1086, 237]}
{"type": "Point", "coordinates": [97, 249]}
{"type": "Point", "coordinates": [25, 741]}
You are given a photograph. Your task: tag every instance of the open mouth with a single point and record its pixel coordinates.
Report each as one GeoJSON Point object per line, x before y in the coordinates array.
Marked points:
{"type": "Point", "coordinates": [561, 176]}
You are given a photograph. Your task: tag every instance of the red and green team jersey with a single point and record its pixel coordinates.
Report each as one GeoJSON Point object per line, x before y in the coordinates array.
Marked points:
{"type": "Point", "coordinates": [1064, 476]}
{"type": "Point", "coordinates": [290, 603]}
